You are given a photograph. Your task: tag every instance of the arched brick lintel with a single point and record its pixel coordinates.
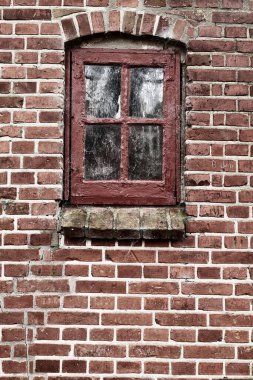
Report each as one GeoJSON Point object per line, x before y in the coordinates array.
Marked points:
{"type": "Point", "coordinates": [171, 27]}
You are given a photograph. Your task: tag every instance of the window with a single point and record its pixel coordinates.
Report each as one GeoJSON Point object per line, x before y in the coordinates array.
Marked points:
{"type": "Point", "coordinates": [123, 114]}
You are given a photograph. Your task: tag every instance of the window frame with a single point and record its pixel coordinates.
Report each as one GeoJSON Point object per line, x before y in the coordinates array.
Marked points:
{"type": "Point", "coordinates": [122, 192]}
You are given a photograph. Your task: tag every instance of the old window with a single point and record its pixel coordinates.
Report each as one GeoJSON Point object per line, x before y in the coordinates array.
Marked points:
{"type": "Point", "coordinates": [123, 114]}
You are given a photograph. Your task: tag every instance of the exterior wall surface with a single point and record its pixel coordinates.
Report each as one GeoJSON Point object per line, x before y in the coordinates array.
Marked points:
{"type": "Point", "coordinates": [132, 310]}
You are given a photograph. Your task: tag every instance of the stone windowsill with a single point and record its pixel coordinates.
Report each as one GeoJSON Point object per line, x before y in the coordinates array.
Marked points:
{"type": "Point", "coordinates": [123, 222]}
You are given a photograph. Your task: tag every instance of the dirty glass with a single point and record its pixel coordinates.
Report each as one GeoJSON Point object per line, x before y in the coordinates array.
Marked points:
{"type": "Point", "coordinates": [102, 91]}
{"type": "Point", "coordinates": [102, 152]}
{"type": "Point", "coordinates": [145, 152]}
{"type": "Point", "coordinates": [146, 92]}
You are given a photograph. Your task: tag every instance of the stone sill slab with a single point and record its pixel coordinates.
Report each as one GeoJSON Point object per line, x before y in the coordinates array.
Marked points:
{"type": "Point", "coordinates": [123, 222]}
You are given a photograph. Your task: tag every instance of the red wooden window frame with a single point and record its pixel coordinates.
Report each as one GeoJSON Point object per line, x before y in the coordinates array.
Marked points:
{"type": "Point", "coordinates": [123, 191]}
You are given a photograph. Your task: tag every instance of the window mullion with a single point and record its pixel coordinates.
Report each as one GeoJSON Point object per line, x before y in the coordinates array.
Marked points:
{"type": "Point", "coordinates": [124, 126]}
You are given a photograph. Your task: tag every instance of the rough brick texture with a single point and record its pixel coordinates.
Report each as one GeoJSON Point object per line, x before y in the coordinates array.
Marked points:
{"type": "Point", "coordinates": [100, 309]}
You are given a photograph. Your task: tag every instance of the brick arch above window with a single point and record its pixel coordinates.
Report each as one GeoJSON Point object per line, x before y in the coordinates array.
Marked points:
{"type": "Point", "coordinates": [169, 26]}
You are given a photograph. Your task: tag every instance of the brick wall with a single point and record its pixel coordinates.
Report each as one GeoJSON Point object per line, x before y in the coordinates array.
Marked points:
{"type": "Point", "coordinates": [106, 310]}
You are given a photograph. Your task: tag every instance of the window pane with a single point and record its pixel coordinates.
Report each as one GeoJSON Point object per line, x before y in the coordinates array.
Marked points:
{"type": "Point", "coordinates": [146, 95]}
{"type": "Point", "coordinates": [102, 91]}
{"type": "Point", "coordinates": [102, 152]}
{"type": "Point", "coordinates": [145, 152]}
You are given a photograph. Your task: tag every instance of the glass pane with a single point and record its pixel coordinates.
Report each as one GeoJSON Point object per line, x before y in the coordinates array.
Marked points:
{"type": "Point", "coordinates": [145, 152]}
{"type": "Point", "coordinates": [102, 152]}
{"type": "Point", "coordinates": [102, 91]}
{"type": "Point", "coordinates": [146, 95]}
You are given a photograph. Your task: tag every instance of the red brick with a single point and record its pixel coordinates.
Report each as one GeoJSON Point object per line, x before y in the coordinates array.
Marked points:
{"type": "Point", "coordinates": [148, 24]}
{"type": "Point", "coordinates": [38, 43]}
{"type": "Point", "coordinates": [46, 349]}
{"type": "Point", "coordinates": [156, 334]}
{"type": "Point", "coordinates": [25, 87]}
{"type": "Point", "coordinates": [13, 334]}
{"type": "Point", "coordinates": [6, 224]}
{"type": "Point", "coordinates": [236, 336]}
{"type": "Point", "coordinates": [75, 302]}
{"type": "Point", "coordinates": [52, 366]}
{"type": "Point", "coordinates": [182, 303]}
{"type": "Point", "coordinates": [128, 367]}
{"type": "Point", "coordinates": [172, 319]}
{"type": "Point", "coordinates": [211, 75]}
{"type": "Point", "coordinates": [210, 31]}
{"type": "Point", "coordinates": [40, 239]}
{"type": "Point", "coordinates": [22, 57]}
{"type": "Point", "coordinates": [209, 335]}
{"type": "Point", "coordinates": [13, 302]}
{"type": "Point", "coordinates": [208, 352]}
{"type": "Point", "coordinates": [236, 304]}
{"type": "Point", "coordinates": [100, 350]}
{"type": "Point", "coordinates": [130, 256]}
{"type": "Point", "coordinates": [207, 3]}
{"type": "Point", "coordinates": [129, 334]}
{"type": "Point", "coordinates": [235, 273]}
{"type": "Point", "coordinates": [183, 257]}
{"type": "Point", "coordinates": [101, 287]}
{"type": "Point", "coordinates": [129, 303]}
{"type": "Point", "coordinates": [153, 3]}
{"type": "Point", "coordinates": [43, 102]}
{"type": "Point", "coordinates": [10, 366]}
{"type": "Point", "coordinates": [83, 23]}
{"type": "Point", "coordinates": [17, 270]}
{"type": "Point", "coordinates": [11, 318]}
{"type": "Point", "coordinates": [210, 368]}
{"type": "Point", "coordinates": [43, 286]}
{"type": "Point", "coordinates": [102, 334]}
{"type": "Point", "coordinates": [156, 303]}
{"type": "Point", "coordinates": [74, 334]}
{"type": "Point", "coordinates": [231, 257]}
{"type": "Point", "coordinates": [212, 134]}
{"type": "Point", "coordinates": [48, 302]}
{"type": "Point", "coordinates": [129, 21]}
{"type": "Point", "coordinates": [209, 241]}
{"type": "Point", "coordinates": [245, 353]}
{"type": "Point", "coordinates": [228, 320]}
{"type": "Point", "coordinates": [26, 14]}
{"type": "Point", "coordinates": [129, 271]}
{"type": "Point", "coordinates": [102, 302]}
{"type": "Point", "coordinates": [210, 304]}
{"type": "Point", "coordinates": [237, 369]}
{"type": "Point", "coordinates": [100, 366]}
{"type": "Point", "coordinates": [15, 239]}
{"type": "Point", "coordinates": [236, 242]}
{"type": "Point", "coordinates": [46, 270]}
{"type": "Point", "coordinates": [73, 366]}
{"type": "Point", "coordinates": [77, 254]}
{"type": "Point", "coordinates": [156, 367]}
{"type": "Point", "coordinates": [97, 22]}
{"type": "Point", "coordinates": [51, 29]}
{"type": "Point", "coordinates": [127, 319]}
{"type": "Point", "coordinates": [183, 368]}
{"type": "Point", "coordinates": [97, 3]}
{"type": "Point", "coordinates": [8, 192]}
{"type": "Point", "coordinates": [154, 288]}
{"type": "Point", "coordinates": [69, 28]}
{"type": "Point", "coordinates": [47, 333]}
{"type": "Point", "coordinates": [183, 335]}
{"type": "Point", "coordinates": [5, 87]}
{"type": "Point", "coordinates": [232, 17]}
{"type": "Point", "coordinates": [145, 351]}
{"type": "Point", "coordinates": [5, 57]}
{"type": "Point", "coordinates": [208, 272]}
{"type": "Point", "coordinates": [27, 29]}
{"type": "Point", "coordinates": [11, 44]}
